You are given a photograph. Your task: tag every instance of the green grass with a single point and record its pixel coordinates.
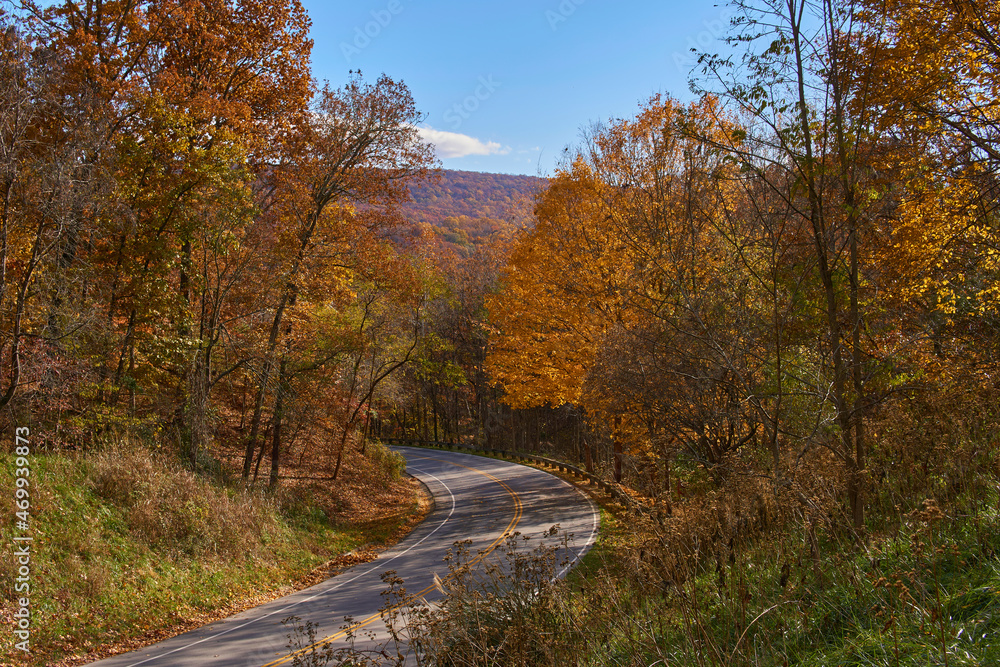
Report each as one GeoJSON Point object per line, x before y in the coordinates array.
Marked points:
{"type": "Point", "coordinates": [126, 544]}
{"type": "Point", "coordinates": [601, 553]}
{"type": "Point", "coordinates": [926, 593]}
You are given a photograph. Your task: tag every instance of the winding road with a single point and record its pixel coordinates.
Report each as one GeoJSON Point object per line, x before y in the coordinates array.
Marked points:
{"type": "Point", "coordinates": [476, 498]}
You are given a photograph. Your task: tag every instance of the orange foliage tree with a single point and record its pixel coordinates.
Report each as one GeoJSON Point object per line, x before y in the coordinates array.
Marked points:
{"type": "Point", "coordinates": [211, 220]}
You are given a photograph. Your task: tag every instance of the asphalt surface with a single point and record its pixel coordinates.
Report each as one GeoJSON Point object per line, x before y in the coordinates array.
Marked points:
{"type": "Point", "coordinates": [477, 499]}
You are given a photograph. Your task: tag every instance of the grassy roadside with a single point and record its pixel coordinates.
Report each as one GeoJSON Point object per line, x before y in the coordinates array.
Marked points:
{"type": "Point", "coordinates": [925, 593]}
{"type": "Point", "coordinates": [130, 548]}
{"type": "Point", "coordinates": [921, 588]}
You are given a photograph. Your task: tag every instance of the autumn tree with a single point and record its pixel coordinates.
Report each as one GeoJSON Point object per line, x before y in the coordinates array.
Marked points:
{"type": "Point", "coordinates": [808, 117]}
{"type": "Point", "coordinates": [197, 197]}
{"type": "Point", "coordinates": [183, 102]}
{"type": "Point", "coordinates": [49, 185]}
{"type": "Point", "coordinates": [352, 156]}
{"type": "Point", "coordinates": [622, 258]}
{"type": "Point", "coordinates": [937, 124]}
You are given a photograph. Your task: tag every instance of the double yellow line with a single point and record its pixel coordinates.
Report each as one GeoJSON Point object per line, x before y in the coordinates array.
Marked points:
{"type": "Point", "coordinates": [374, 617]}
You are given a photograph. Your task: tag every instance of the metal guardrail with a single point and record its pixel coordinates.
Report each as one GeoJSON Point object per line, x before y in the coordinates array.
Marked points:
{"type": "Point", "coordinates": [612, 489]}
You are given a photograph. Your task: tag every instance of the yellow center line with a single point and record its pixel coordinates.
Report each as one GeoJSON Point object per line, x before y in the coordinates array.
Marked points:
{"type": "Point", "coordinates": [374, 617]}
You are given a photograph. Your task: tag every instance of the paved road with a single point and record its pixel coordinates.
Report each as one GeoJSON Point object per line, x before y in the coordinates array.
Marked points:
{"type": "Point", "coordinates": [476, 498]}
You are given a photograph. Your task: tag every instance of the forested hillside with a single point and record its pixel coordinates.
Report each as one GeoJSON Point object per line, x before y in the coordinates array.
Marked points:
{"type": "Point", "coordinates": [467, 207]}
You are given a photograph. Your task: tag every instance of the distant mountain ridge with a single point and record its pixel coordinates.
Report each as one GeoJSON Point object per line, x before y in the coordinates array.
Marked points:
{"type": "Point", "coordinates": [467, 206]}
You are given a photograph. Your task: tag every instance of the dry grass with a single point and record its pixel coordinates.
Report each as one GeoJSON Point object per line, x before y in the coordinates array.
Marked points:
{"type": "Point", "coordinates": [138, 549]}
{"type": "Point", "coordinates": [169, 508]}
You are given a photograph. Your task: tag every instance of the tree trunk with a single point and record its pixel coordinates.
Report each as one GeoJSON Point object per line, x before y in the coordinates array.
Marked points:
{"type": "Point", "coordinates": [364, 433]}
{"type": "Point", "coordinates": [258, 406]}
{"type": "Point", "coordinates": [618, 454]}
{"type": "Point", "coordinates": [826, 249]}
{"type": "Point", "coordinates": [279, 413]}
{"type": "Point", "coordinates": [434, 408]}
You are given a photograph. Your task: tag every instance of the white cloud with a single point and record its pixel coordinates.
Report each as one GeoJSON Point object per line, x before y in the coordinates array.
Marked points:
{"type": "Point", "coordinates": [453, 144]}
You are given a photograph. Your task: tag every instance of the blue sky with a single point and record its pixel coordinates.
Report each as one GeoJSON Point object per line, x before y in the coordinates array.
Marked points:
{"type": "Point", "coordinates": [506, 86]}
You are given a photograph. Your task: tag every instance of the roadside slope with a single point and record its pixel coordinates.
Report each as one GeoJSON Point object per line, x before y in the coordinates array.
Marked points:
{"type": "Point", "coordinates": [129, 548]}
